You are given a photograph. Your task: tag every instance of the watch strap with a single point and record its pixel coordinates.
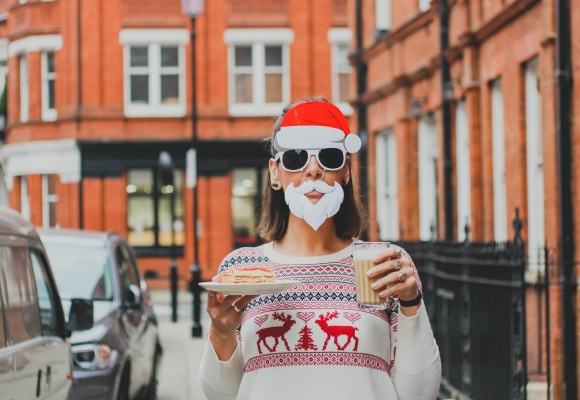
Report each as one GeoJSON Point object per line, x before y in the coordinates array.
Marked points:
{"type": "Point", "coordinates": [411, 303]}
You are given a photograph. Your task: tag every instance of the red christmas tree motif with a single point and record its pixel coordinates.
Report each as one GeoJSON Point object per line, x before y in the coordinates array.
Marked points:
{"type": "Point", "coordinates": [336, 331]}
{"type": "Point", "coordinates": [260, 320]}
{"type": "Point", "coordinates": [276, 332]}
{"type": "Point", "coordinates": [305, 342]}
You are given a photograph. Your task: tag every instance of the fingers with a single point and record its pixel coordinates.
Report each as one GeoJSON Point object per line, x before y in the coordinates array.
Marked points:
{"type": "Point", "coordinates": [387, 254]}
{"type": "Point", "coordinates": [243, 301]}
{"type": "Point", "coordinates": [388, 267]}
{"type": "Point", "coordinates": [390, 284]}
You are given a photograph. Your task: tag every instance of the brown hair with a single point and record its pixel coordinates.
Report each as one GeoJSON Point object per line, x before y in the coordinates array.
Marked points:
{"type": "Point", "coordinates": [350, 220]}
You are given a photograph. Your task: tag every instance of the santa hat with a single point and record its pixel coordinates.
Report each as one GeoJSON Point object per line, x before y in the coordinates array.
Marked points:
{"type": "Point", "coordinates": [315, 125]}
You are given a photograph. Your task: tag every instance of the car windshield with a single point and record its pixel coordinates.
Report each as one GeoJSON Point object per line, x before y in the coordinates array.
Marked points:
{"type": "Point", "coordinates": [81, 272]}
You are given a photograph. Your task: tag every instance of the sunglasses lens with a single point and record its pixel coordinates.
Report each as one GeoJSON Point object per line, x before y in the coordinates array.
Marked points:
{"type": "Point", "coordinates": [294, 159]}
{"type": "Point", "coordinates": [331, 158]}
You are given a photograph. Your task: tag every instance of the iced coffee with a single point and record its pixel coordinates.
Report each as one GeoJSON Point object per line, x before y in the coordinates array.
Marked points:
{"type": "Point", "coordinates": [364, 253]}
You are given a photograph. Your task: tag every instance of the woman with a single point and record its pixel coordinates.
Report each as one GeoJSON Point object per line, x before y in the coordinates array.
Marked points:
{"type": "Point", "coordinates": [313, 342]}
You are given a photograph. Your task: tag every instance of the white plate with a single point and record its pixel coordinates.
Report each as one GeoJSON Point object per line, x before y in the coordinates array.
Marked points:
{"type": "Point", "coordinates": [249, 288]}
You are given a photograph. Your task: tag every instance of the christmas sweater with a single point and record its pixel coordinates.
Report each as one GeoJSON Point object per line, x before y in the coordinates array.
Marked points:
{"type": "Point", "coordinates": [312, 342]}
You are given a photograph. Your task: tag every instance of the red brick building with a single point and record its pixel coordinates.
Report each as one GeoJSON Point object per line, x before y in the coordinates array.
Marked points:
{"type": "Point", "coordinates": [501, 57]}
{"type": "Point", "coordinates": [97, 89]}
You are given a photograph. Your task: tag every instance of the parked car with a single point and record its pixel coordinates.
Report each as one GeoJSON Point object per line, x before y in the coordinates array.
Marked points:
{"type": "Point", "coordinates": [35, 358]}
{"type": "Point", "coordinates": [119, 356]}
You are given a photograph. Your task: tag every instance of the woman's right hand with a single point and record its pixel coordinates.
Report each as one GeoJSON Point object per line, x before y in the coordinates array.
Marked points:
{"type": "Point", "coordinates": [225, 319]}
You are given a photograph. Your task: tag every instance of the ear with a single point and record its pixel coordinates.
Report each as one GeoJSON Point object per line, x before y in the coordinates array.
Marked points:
{"type": "Point", "coordinates": [346, 171]}
{"type": "Point", "coordinates": [274, 173]}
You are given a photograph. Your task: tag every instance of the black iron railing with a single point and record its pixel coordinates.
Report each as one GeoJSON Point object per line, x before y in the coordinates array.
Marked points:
{"type": "Point", "coordinates": [475, 298]}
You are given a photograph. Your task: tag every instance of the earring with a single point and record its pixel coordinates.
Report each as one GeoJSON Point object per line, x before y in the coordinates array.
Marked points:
{"type": "Point", "coordinates": [274, 185]}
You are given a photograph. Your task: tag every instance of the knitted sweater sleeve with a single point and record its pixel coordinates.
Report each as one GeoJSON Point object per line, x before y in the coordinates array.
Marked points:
{"type": "Point", "coordinates": [220, 380]}
{"type": "Point", "coordinates": [417, 368]}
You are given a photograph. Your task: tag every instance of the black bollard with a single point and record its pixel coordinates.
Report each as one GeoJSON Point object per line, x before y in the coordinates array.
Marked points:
{"type": "Point", "coordinates": [173, 290]}
{"type": "Point", "coordinates": [196, 291]}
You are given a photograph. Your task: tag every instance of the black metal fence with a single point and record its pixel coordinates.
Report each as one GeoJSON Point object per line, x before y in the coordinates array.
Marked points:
{"type": "Point", "coordinates": [475, 298]}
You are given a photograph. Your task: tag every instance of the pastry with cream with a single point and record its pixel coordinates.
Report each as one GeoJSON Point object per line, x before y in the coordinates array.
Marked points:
{"type": "Point", "coordinates": [248, 275]}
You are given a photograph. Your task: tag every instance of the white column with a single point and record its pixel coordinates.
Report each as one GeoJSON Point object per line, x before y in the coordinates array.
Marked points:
{"type": "Point", "coordinates": [463, 170]}
{"type": "Point", "coordinates": [535, 172]}
{"type": "Point", "coordinates": [428, 151]}
{"type": "Point", "coordinates": [498, 148]}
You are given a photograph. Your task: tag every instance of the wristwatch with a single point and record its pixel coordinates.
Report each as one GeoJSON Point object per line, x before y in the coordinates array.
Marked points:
{"type": "Point", "coordinates": [412, 303]}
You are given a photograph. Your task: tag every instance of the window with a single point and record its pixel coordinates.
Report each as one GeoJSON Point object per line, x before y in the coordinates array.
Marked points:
{"type": "Point", "coordinates": [23, 89]}
{"type": "Point", "coordinates": [24, 198]}
{"type": "Point", "coordinates": [387, 203]}
{"type": "Point", "coordinates": [463, 169]}
{"type": "Point", "coordinates": [428, 155]}
{"type": "Point", "coordinates": [48, 78]}
{"type": "Point", "coordinates": [244, 201]}
{"type": "Point", "coordinates": [258, 64]}
{"type": "Point", "coordinates": [127, 271]}
{"type": "Point", "coordinates": [48, 321]}
{"type": "Point", "coordinates": [535, 169]}
{"type": "Point", "coordinates": [498, 156]}
{"type": "Point", "coordinates": [341, 69]}
{"type": "Point", "coordinates": [383, 15]}
{"type": "Point", "coordinates": [424, 5]}
{"type": "Point", "coordinates": [154, 80]}
{"type": "Point", "coordinates": [49, 199]}
{"type": "Point", "coordinates": [149, 209]}
{"type": "Point", "coordinates": [21, 307]}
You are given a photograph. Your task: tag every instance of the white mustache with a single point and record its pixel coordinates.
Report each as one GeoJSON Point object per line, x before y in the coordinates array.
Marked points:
{"type": "Point", "coordinates": [308, 186]}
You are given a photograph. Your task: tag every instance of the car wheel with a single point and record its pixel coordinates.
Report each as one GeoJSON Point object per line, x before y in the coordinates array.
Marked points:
{"type": "Point", "coordinates": [124, 385]}
{"type": "Point", "coordinates": [151, 393]}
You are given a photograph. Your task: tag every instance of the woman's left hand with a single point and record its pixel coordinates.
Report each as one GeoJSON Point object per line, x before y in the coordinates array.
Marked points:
{"type": "Point", "coordinates": [399, 274]}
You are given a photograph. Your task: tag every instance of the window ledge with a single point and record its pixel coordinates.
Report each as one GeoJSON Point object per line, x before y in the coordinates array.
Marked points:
{"type": "Point", "coordinates": [345, 108]}
{"type": "Point", "coordinates": [49, 115]}
{"type": "Point", "coordinates": [173, 111]}
{"type": "Point", "coordinates": [256, 110]}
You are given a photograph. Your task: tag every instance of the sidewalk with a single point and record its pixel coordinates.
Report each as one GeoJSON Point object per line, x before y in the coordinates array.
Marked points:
{"type": "Point", "coordinates": [178, 376]}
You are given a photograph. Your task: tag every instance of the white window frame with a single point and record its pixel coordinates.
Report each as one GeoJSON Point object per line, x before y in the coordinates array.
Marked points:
{"type": "Point", "coordinates": [535, 169]}
{"type": "Point", "coordinates": [47, 199]}
{"type": "Point", "coordinates": [47, 114]}
{"type": "Point", "coordinates": [24, 198]}
{"type": "Point", "coordinates": [24, 89]}
{"type": "Point", "coordinates": [500, 224]}
{"type": "Point", "coordinates": [154, 39]}
{"type": "Point", "coordinates": [428, 158]}
{"type": "Point", "coordinates": [463, 170]}
{"type": "Point", "coordinates": [383, 15]}
{"type": "Point", "coordinates": [258, 39]}
{"type": "Point", "coordinates": [424, 5]}
{"type": "Point", "coordinates": [387, 196]}
{"type": "Point", "coordinates": [336, 38]}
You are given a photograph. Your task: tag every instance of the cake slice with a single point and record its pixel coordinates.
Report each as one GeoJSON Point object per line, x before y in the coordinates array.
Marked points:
{"type": "Point", "coordinates": [248, 275]}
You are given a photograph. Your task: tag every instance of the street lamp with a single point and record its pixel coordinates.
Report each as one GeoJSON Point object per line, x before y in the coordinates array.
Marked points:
{"type": "Point", "coordinates": [193, 8]}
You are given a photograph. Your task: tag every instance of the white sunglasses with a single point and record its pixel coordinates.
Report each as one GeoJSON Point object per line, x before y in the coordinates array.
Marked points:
{"type": "Point", "coordinates": [295, 160]}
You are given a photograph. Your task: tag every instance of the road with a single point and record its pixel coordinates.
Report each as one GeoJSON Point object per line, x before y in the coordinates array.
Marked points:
{"type": "Point", "coordinates": [178, 376]}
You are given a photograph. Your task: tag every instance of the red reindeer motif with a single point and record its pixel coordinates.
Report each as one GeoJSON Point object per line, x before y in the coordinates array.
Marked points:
{"type": "Point", "coordinates": [336, 331]}
{"type": "Point", "coordinates": [276, 332]}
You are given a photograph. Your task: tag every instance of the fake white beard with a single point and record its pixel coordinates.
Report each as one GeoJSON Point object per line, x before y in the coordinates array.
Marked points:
{"type": "Point", "coordinates": [314, 214]}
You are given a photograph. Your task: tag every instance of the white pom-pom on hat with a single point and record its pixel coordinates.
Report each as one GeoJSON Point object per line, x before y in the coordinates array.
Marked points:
{"type": "Point", "coordinates": [352, 143]}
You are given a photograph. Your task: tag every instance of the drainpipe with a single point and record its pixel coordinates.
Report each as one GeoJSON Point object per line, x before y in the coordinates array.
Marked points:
{"type": "Point", "coordinates": [79, 104]}
{"type": "Point", "coordinates": [446, 98]}
{"type": "Point", "coordinates": [361, 88]}
{"type": "Point", "coordinates": [565, 210]}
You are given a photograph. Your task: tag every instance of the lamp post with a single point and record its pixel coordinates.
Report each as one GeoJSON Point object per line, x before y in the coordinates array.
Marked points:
{"type": "Point", "coordinates": [166, 177]}
{"type": "Point", "coordinates": [193, 8]}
